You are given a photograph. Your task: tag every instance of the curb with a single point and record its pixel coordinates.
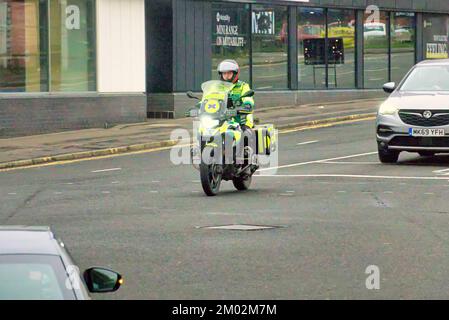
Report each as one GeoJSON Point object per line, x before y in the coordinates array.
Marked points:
{"type": "Point", "coordinates": [161, 144]}
{"type": "Point", "coordinates": [335, 120]}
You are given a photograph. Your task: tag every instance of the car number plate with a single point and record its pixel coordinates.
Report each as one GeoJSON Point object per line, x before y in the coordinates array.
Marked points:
{"type": "Point", "coordinates": [426, 132]}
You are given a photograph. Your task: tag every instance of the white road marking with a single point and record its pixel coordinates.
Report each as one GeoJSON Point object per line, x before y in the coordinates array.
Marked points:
{"type": "Point", "coordinates": [115, 182]}
{"type": "Point", "coordinates": [442, 171]}
{"type": "Point", "coordinates": [429, 193]}
{"type": "Point", "coordinates": [341, 191]}
{"type": "Point", "coordinates": [388, 192]}
{"type": "Point", "coordinates": [58, 192]}
{"type": "Point", "coordinates": [285, 194]}
{"type": "Point", "coordinates": [69, 183]}
{"type": "Point", "coordinates": [290, 191]}
{"type": "Point", "coordinates": [348, 162]}
{"type": "Point", "coordinates": [155, 181]}
{"type": "Point", "coordinates": [106, 192]}
{"type": "Point", "coordinates": [319, 161]}
{"type": "Point", "coordinates": [349, 176]}
{"type": "Point", "coordinates": [225, 214]}
{"type": "Point", "coordinates": [106, 170]}
{"type": "Point", "coordinates": [307, 142]}
{"type": "Point", "coordinates": [153, 191]}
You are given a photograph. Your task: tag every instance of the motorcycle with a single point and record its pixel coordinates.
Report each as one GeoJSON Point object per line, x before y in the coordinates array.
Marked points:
{"type": "Point", "coordinates": [223, 150]}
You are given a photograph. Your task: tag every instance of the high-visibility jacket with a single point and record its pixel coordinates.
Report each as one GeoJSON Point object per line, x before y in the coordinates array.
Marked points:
{"type": "Point", "coordinates": [246, 117]}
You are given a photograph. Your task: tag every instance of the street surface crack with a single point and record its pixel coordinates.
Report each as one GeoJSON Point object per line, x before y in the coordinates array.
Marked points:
{"type": "Point", "coordinates": [24, 204]}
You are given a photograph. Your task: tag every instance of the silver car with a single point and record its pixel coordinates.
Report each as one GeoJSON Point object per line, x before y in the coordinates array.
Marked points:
{"type": "Point", "coordinates": [415, 117]}
{"type": "Point", "coordinates": [34, 265]}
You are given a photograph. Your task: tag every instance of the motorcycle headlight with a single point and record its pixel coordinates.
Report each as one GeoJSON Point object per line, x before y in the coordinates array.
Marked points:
{"type": "Point", "coordinates": [387, 109]}
{"type": "Point", "coordinates": [208, 122]}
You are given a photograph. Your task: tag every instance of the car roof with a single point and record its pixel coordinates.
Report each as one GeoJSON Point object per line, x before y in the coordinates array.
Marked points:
{"type": "Point", "coordinates": [374, 24]}
{"type": "Point", "coordinates": [27, 240]}
{"type": "Point", "coordinates": [435, 62]}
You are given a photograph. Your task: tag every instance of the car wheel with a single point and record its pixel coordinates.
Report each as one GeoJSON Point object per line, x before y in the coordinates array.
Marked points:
{"type": "Point", "coordinates": [388, 156]}
{"type": "Point", "coordinates": [426, 153]}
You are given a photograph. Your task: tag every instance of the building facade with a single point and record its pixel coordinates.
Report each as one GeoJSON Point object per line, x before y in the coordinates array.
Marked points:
{"type": "Point", "coordinates": [71, 64]}
{"type": "Point", "coordinates": [290, 51]}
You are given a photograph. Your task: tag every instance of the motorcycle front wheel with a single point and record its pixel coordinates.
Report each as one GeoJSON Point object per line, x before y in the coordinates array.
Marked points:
{"type": "Point", "coordinates": [210, 179]}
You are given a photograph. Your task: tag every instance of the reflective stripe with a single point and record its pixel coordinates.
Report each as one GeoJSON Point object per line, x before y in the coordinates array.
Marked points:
{"type": "Point", "coordinates": [260, 138]}
{"type": "Point", "coordinates": [249, 120]}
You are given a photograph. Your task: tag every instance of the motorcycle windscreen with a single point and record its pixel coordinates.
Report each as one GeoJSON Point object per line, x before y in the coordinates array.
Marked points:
{"type": "Point", "coordinates": [215, 93]}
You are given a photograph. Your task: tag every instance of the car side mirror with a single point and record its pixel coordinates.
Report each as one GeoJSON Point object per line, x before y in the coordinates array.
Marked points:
{"type": "Point", "coordinates": [389, 87]}
{"type": "Point", "coordinates": [250, 93]}
{"type": "Point", "coordinates": [191, 95]}
{"type": "Point", "coordinates": [101, 280]}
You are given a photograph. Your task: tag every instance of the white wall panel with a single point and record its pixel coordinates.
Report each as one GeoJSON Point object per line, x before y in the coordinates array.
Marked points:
{"type": "Point", "coordinates": [121, 45]}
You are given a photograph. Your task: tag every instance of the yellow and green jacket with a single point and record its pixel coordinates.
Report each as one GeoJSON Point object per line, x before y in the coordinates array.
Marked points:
{"type": "Point", "coordinates": [246, 117]}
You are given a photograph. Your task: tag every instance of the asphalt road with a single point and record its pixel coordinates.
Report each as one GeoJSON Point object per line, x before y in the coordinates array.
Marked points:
{"type": "Point", "coordinates": [339, 211]}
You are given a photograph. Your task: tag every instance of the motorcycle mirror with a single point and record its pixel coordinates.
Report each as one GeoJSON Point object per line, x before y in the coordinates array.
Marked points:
{"type": "Point", "coordinates": [191, 95]}
{"type": "Point", "coordinates": [250, 93]}
{"type": "Point", "coordinates": [193, 112]}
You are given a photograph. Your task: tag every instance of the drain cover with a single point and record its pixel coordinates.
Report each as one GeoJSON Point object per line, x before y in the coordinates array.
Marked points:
{"type": "Point", "coordinates": [241, 227]}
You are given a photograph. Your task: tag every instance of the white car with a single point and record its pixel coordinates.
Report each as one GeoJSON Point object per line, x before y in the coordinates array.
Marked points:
{"type": "Point", "coordinates": [374, 29]}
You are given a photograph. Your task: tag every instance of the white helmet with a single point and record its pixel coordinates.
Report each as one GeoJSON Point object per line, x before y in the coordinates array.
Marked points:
{"type": "Point", "coordinates": [229, 65]}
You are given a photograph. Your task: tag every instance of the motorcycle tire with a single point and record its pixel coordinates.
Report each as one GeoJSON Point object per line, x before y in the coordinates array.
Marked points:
{"type": "Point", "coordinates": [209, 182]}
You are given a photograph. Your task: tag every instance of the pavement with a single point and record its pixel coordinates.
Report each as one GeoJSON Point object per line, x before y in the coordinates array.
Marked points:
{"type": "Point", "coordinates": [337, 211]}
{"type": "Point", "coordinates": [155, 133]}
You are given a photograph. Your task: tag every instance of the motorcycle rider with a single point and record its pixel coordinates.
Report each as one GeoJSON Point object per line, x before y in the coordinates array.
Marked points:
{"type": "Point", "coordinates": [229, 71]}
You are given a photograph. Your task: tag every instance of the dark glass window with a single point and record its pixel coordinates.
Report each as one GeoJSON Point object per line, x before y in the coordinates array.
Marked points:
{"type": "Point", "coordinates": [22, 67]}
{"type": "Point", "coordinates": [326, 56]}
{"type": "Point", "coordinates": [30, 29]}
{"type": "Point", "coordinates": [270, 47]}
{"type": "Point", "coordinates": [341, 48]}
{"type": "Point", "coordinates": [376, 50]}
{"type": "Point", "coordinates": [230, 36]}
{"type": "Point", "coordinates": [435, 34]}
{"type": "Point", "coordinates": [311, 41]}
{"type": "Point", "coordinates": [72, 45]}
{"type": "Point", "coordinates": [402, 44]}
